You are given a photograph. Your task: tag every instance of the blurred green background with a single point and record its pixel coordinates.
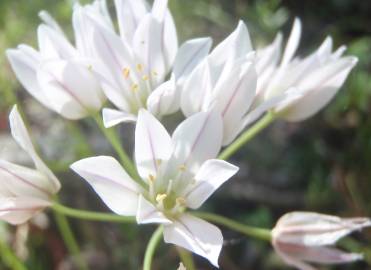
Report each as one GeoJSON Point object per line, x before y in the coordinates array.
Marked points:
{"type": "Point", "coordinates": [322, 164]}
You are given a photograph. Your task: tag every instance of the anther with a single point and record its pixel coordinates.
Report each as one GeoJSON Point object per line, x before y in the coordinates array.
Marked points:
{"type": "Point", "coordinates": [134, 87]}
{"type": "Point", "coordinates": [151, 178]}
{"type": "Point", "coordinates": [158, 162]}
{"type": "Point", "coordinates": [154, 73]}
{"type": "Point", "coordinates": [145, 78]}
{"type": "Point", "coordinates": [182, 168]}
{"type": "Point", "coordinates": [139, 67]}
{"type": "Point", "coordinates": [160, 197]}
{"type": "Point", "coordinates": [181, 201]}
{"type": "Point", "coordinates": [126, 72]}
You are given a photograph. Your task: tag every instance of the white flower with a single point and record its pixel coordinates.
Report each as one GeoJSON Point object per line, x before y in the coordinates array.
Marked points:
{"type": "Point", "coordinates": [23, 191]}
{"type": "Point", "coordinates": [303, 237]}
{"type": "Point", "coordinates": [178, 172]}
{"type": "Point", "coordinates": [315, 79]}
{"type": "Point", "coordinates": [225, 81]}
{"type": "Point", "coordinates": [135, 64]}
{"type": "Point", "coordinates": [59, 75]}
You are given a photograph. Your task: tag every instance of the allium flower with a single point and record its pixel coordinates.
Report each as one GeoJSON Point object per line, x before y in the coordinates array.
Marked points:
{"type": "Point", "coordinates": [59, 75]}
{"type": "Point", "coordinates": [178, 172]}
{"type": "Point", "coordinates": [23, 191]}
{"type": "Point", "coordinates": [135, 65]}
{"type": "Point", "coordinates": [315, 78]}
{"type": "Point", "coordinates": [225, 81]}
{"type": "Point", "coordinates": [303, 237]}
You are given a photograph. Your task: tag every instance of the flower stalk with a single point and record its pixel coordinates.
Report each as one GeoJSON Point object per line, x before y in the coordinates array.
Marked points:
{"type": "Point", "coordinates": [9, 258]}
{"type": "Point", "coordinates": [247, 136]}
{"type": "Point", "coordinates": [114, 140]}
{"type": "Point", "coordinates": [69, 239]}
{"type": "Point", "coordinates": [151, 248]}
{"type": "Point", "coordinates": [258, 233]}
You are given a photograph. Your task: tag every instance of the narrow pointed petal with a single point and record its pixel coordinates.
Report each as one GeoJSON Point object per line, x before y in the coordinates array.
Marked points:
{"type": "Point", "coordinates": [129, 14]}
{"type": "Point", "coordinates": [170, 41]}
{"type": "Point", "coordinates": [323, 84]}
{"type": "Point", "coordinates": [153, 145]}
{"type": "Point", "coordinates": [113, 117]}
{"type": "Point", "coordinates": [22, 137]}
{"type": "Point", "coordinates": [189, 55]}
{"type": "Point", "coordinates": [110, 181]}
{"type": "Point", "coordinates": [54, 45]}
{"type": "Point", "coordinates": [198, 139]}
{"type": "Point", "coordinates": [19, 210]}
{"type": "Point", "coordinates": [165, 99]}
{"type": "Point", "coordinates": [196, 92]}
{"type": "Point", "coordinates": [235, 46]}
{"type": "Point", "coordinates": [50, 21]}
{"type": "Point", "coordinates": [212, 174]}
{"type": "Point", "coordinates": [195, 235]}
{"type": "Point", "coordinates": [159, 9]}
{"type": "Point", "coordinates": [149, 49]}
{"type": "Point", "coordinates": [292, 43]}
{"type": "Point", "coordinates": [148, 213]}
{"type": "Point", "coordinates": [235, 95]}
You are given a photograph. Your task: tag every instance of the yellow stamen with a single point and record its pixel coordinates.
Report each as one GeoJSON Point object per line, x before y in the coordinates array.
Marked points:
{"type": "Point", "coordinates": [145, 78]}
{"type": "Point", "coordinates": [134, 87]}
{"type": "Point", "coordinates": [160, 197]}
{"type": "Point", "coordinates": [182, 168]}
{"type": "Point", "coordinates": [154, 73]}
{"type": "Point", "coordinates": [139, 67]}
{"type": "Point", "coordinates": [181, 201]}
{"type": "Point", "coordinates": [126, 72]}
{"type": "Point", "coordinates": [151, 178]}
{"type": "Point", "coordinates": [158, 162]}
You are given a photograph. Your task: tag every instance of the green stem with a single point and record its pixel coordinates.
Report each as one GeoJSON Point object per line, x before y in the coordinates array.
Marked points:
{"type": "Point", "coordinates": [186, 258]}
{"type": "Point", "coordinates": [258, 233]}
{"type": "Point", "coordinates": [114, 140]}
{"type": "Point", "coordinates": [247, 136]}
{"type": "Point", "coordinates": [9, 258]}
{"type": "Point", "coordinates": [69, 239]}
{"type": "Point", "coordinates": [90, 215]}
{"type": "Point", "coordinates": [152, 245]}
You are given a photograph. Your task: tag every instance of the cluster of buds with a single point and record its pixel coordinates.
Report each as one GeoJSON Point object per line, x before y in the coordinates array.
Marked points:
{"type": "Point", "coordinates": [145, 75]}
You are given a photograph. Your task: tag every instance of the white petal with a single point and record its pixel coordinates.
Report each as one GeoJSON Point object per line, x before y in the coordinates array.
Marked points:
{"type": "Point", "coordinates": [292, 43]}
{"type": "Point", "coordinates": [149, 49]}
{"type": "Point", "coordinates": [21, 135]}
{"type": "Point", "coordinates": [153, 144]}
{"type": "Point", "coordinates": [54, 45]}
{"type": "Point", "coordinates": [21, 181]}
{"type": "Point", "coordinates": [170, 41]}
{"type": "Point", "coordinates": [19, 210]}
{"type": "Point", "coordinates": [116, 56]}
{"type": "Point", "coordinates": [159, 9]}
{"type": "Point", "coordinates": [24, 62]}
{"type": "Point", "coordinates": [197, 236]}
{"type": "Point", "coordinates": [165, 99]}
{"type": "Point", "coordinates": [196, 93]}
{"type": "Point", "coordinates": [212, 174]}
{"type": "Point", "coordinates": [234, 96]}
{"type": "Point", "coordinates": [110, 181]}
{"type": "Point", "coordinates": [148, 213]}
{"type": "Point", "coordinates": [113, 117]}
{"type": "Point", "coordinates": [71, 87]}
{"type": "Point", "coordinates": [50, 21]}
{"type": "Point", "coordinates": [197, 139]}
{"type": "Point", "coordinates": [321, 87]}
{"type": "Point", "coordinates": [129, 14]}
{"type": "Point", "coordinates": [189, 55]}
{"type": "Point", "coordinates": [235, 46]}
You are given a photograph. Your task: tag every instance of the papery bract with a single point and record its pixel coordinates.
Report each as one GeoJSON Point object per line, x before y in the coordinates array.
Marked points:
{"type": "Point", "coordinates": [179, 172]}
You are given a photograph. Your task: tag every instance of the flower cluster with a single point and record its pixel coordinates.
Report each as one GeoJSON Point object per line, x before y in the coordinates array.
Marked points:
{"type": "Point", "coordinates": [145, 75]}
